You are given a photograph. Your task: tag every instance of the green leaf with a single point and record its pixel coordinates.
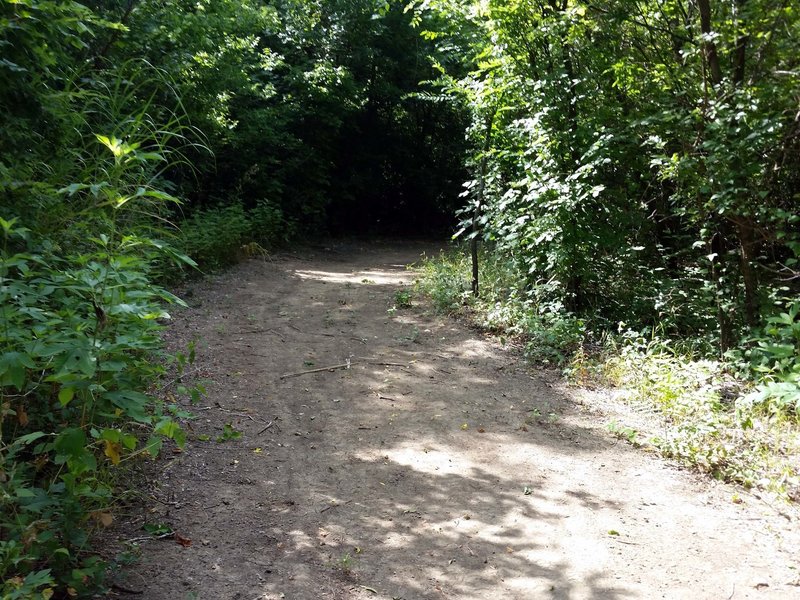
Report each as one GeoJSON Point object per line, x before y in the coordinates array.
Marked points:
{"type": "Point", "coordinates": [133, 404]}
{"type": "Point", "coordinates": [13, 367]}
{"type": "Point", "coordinates": [79, 360]}
{"type": "Point", "coordinates": [7, 225]}
{"type": "Point", "coordinates": [169, 428]}
{"type": "Point", "coordinates": [157, 528]}
{"type": "Point", "coordinates": [72, 188]}
{"type": "Point", "coordinates": [29, 438]}
{"type": "Point", "coordinates": [71, 442]}
{"type": "Point", "coordinates": [153, 445]}
{"type": "Point", "coordinates": [65, 395]}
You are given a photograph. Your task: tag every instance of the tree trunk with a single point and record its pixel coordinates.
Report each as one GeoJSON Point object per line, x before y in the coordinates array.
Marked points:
{"type": "Point", "coordinates": [745, 231]}
{"type": "Point", "coordinates": [709, 47]}
{"type": "Point", "coordinates": [718, 248]}
{"type": "Point", "coordinates": [473, 244]}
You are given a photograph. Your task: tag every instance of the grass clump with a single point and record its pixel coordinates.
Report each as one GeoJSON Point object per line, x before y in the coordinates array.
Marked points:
{"type": "Point", "coordinates": [737, 419]}
{"type": "Point", "coordinates": [710, 420]}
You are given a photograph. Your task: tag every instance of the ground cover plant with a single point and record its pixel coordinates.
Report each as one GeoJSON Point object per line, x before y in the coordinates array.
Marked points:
{"type": "Point", "coordinates": [736, 419]}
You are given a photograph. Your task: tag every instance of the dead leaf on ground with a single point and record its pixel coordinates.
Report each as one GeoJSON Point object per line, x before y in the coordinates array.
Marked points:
{"type": "Point", "coordinates": [112, 451]}
{"type": "Point", "coordinates": [185, 542]}
{"type": "Point", "coordinates": [103, 517]}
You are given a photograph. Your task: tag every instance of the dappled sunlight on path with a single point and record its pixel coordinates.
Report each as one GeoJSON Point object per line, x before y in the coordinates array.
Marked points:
{"type": "Point", "coordinates": [428, 464]}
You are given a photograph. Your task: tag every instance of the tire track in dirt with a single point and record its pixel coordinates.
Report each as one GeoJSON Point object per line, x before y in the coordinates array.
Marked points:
{"type": "Point", "coordinates": [436, 466]}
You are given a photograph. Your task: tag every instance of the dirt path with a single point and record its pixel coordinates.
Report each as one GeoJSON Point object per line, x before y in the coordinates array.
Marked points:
{"type": "Point", "coordinates": [436, 466]}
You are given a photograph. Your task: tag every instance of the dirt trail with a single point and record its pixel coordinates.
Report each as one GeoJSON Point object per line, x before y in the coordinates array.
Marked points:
{"type": "Point", "coordinates": [436, 466]}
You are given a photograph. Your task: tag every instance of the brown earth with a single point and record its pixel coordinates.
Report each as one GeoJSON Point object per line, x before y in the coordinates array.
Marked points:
{"type": "Point", "coordinates": [438, 465]}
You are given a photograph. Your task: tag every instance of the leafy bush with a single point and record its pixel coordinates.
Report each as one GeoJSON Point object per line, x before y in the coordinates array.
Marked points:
{"type": "Point", "coordinates": [219, 236]}
{"type": "Point", "coordinates": [79, 323]}
{"type": "Point", "coordinates": [79, 333]}
{"type": "Point", "coordinates": [444, 282]}
{"type": "Point", "coordinates": [213, 236]}
{"type": "Point", "coordinates": [776, 361]}
{"type": "Point", "coordinates": [705, 425]}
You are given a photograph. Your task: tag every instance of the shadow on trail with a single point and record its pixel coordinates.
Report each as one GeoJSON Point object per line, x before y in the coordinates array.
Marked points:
{"type": "Point", "coordinates": [429, 480]}
{"type": "Point", "coordinates": [435, 467]}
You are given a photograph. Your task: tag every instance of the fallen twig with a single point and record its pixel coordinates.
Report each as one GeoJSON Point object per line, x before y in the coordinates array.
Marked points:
{"type": "Point", "coordinates": [272, 331]}
{"type": "Point", "coordinates": [238, 414]}
{"type": "Point", "coordinates": [335, 506]}
{"type": "Point", "coordinates": [126, 590]}
{"type": "Point", "coordinates": [270, 424]}
{"type": "Point", "coordinates": [624, 542]}
{"type": "Point", "coordinates": [345, 365]}
{"type": "Point", "coordinates": [147, 538]}
{"type": "Point", "coordinates": [381, 397]}
{"type": "Point", "coordinates": [297, 329]}
{"type": "Point", "coordinates": [177, 379]}
{"type": "Point", "coordinates": [165, 502]}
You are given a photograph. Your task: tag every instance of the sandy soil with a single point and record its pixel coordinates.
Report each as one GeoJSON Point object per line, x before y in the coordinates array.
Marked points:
{"type": "Point", "coordinates": [436, 466]}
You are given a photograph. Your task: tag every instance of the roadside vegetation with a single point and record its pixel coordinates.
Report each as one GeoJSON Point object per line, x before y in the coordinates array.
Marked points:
{"type": "Point", "coordinates": [143, 142]}
{"type": "Point", "coordinates": [736, 418]}
{"type": "Point", "coordinates": [634, 181]}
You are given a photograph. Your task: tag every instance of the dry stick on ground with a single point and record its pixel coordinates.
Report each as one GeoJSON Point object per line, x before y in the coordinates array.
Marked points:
{"type": "Point", "coordinates": [311, 332]}
{"type": "Point", "coordinates": [335, 506]}
{"type": "Point", "coordinates": [126, 590]}
{"type": "Point", "coordinates": [272, 331]}
{"type": "Point", "coordinates": [370, 361]}
{"type": "Point", "coordinates": [270, 424]}
{"type": "Point", "coordinates": [330, 368]}
{"type": "Point", "coordinates": [333, 335]}
{"type": "Point", "coordinates": [177, 379]}
{"type": "Point", "coordinates": [238, 414]}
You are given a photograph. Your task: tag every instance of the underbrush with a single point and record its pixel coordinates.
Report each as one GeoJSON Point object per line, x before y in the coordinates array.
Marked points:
{"type": "Point", "coordinates": [80, 321]}
{"type": "Point", "coordinates": [737, 419]}
{"type": "Point", "coordinates": [221, 236]}
{"type": "Point", "coordinates": [712, 420]}
{"type": "Point", "coordinates": [550, 334]}
{"type": "Point", "coordinates": [80, 333]}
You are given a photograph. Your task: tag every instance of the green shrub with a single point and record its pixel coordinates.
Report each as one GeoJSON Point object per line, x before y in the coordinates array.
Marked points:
{"type": "Point", "coordinates": [706, 424]}
{"type": "Point", "coordinates": [444, 281]}
{"type": "Point", "coordinates": [776, 362]}
{"type": "Point", "coordinates": [219, 236]}
{"type": "Point", "coordinates": [507, 303]}
{"type": "Point", "coordinates": [213, 236]}
{"type": "Point", "coordinates": [78, 337]}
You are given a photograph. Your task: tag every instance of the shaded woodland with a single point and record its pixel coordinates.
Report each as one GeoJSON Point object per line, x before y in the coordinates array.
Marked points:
{"type": "Point", "coordinates": [630, 169]}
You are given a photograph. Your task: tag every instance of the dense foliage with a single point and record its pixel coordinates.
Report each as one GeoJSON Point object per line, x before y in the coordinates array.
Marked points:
{"type": "Point", "coordinates": [636, 181]}
{"type": "Point", "coordinates": [134, 136]}
{"type": "Point", "coordinates": [643, 162]}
